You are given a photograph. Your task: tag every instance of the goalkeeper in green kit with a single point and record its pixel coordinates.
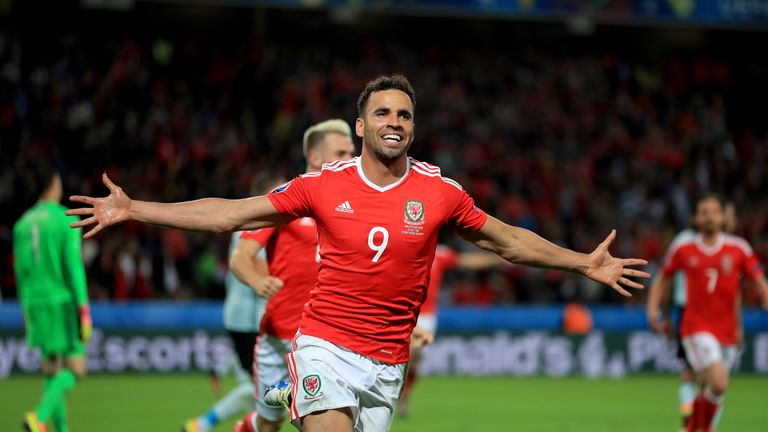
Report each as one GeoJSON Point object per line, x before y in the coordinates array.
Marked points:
{"type": "Point", "coordinates": [53, 294]}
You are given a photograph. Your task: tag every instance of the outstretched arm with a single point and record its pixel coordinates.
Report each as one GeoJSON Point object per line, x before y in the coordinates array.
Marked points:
{"type": "Point", "coordinates": [208, 214]}
{"type": "Point", "coordinates": [520, 246]}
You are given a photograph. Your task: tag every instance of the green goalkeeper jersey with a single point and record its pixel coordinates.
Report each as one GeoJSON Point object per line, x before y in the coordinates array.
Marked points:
{"type": "Point", "coordinates": [48, 257]}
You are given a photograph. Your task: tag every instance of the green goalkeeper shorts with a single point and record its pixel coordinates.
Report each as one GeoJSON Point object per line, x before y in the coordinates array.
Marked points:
{"type": "Point", "coordinates": [54, 328]}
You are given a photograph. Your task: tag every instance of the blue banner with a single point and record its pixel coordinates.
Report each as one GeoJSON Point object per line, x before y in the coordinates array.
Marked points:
{"type": "Point", "coordinates": [208, 315]}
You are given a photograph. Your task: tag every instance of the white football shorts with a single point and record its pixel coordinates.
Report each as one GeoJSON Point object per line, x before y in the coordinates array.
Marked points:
{"type": "Point", "coordinates": [703, 349]}
{"type": "Point", "coordinates": [326, 376]}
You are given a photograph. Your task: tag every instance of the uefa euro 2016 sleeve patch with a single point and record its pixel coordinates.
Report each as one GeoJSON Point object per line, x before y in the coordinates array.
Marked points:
{"type": "Point", "coordinates": [282, 188]}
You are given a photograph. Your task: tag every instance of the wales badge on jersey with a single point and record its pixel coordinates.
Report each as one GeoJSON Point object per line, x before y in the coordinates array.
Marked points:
{"type": "Point", "coordinates": [726, 264]}
{"type": "Point", "coordinates": [414, 212]}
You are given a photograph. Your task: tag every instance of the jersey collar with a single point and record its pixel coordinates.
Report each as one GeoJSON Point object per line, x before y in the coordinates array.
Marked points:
{"type": "Point", "coordinates": [358, 161]}
{"type": "Point", "coordinates": [709, 250]}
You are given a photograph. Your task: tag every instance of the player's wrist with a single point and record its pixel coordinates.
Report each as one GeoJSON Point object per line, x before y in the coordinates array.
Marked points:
{"type": "Point", "coordinates": [84, 315]}
{"type": "Point", "coordinates": [582, 263]}
{"type": "Point", "coordinates": [140, 211]}
{"type": "Point", "coordinates": [130, 212]}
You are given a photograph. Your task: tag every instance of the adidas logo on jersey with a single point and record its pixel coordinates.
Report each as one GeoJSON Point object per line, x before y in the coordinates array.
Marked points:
{"type": "Point", "coordinates": [344, 207]}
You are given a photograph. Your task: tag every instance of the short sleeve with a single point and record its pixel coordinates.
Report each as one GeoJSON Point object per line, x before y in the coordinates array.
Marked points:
{"type": "Point", "coordinates": [751, 266]}
{"type": "Point", "coordinates": [671, 262]}
{"type": "Point", "coordinates": [295, 199]}
{"type": "Point", "coordinates": [465, 217]}
{"type": "Point", "coordinates": [260, 235]}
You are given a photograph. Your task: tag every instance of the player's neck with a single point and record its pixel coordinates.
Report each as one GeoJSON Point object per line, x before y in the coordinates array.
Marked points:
{"type": "Point", "coordinates": [383, 173]}
{"type": "Point", "coordinates": [710, 239]}
{"type": "Point", "coordinates": [51, 197]}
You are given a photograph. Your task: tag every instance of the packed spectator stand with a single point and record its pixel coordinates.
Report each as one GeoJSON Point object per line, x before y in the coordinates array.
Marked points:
{"type": "Point", "coordinates": [567, 142]}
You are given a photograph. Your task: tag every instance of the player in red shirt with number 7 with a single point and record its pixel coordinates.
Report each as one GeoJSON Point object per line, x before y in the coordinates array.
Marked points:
{"type": "Point", "coordinates": [713, 263]}
{"type": "Point", "coordinates": [378, 217]}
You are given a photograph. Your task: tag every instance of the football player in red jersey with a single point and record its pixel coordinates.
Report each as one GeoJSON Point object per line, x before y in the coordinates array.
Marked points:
{"type": "Point", "coordinates": [292, 254]}
{"type": "Point", "coordinates": [713, 263]}
{"type": "Point", "coordinates": [658, 305]}
{"type": "Point", "coordinates": [378, 218]}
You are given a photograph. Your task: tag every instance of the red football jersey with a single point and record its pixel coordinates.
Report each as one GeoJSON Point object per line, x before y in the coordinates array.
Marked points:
{"type": "Point", "coordinates": [292, 257]}
{"type": "Point", "coordinates": [712, 275]}
{"type": "Point", "coordinates": [376, 249]}
{"type": "Point", "coordinates": [445, 259]}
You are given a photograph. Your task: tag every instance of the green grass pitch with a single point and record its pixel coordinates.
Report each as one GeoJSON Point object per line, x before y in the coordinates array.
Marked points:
{"type": "Point", "coordinates": [641, 403]}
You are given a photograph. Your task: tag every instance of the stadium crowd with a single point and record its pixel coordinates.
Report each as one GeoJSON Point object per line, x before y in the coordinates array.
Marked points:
{"type": "Point", "coordinates": [568, 146]}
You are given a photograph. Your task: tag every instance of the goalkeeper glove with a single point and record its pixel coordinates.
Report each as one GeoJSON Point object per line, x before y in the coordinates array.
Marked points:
{"type": "Point", "coordinates": [86, 324]}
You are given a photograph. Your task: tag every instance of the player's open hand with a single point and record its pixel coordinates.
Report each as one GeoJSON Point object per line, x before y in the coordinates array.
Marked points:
{"type": "Point", "coordinates": [614, 272]}
{"type": "Point", "coordinates": [268, 286]}
{"type": "Point", "coordinates": [103, 212]}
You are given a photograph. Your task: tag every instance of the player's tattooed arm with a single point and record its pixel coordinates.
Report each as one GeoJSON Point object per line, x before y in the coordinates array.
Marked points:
{"type": "Point", "coordinates": [521, 246]}
{"type": "Point", "coordinates": [208, 214]}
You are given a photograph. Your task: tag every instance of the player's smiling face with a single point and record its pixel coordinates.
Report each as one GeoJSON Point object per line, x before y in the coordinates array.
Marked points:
{"type": "Point", "coordinates": [387, 124]}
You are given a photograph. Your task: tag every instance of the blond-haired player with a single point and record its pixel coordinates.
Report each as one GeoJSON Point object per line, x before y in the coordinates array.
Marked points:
{"type": "Point", "coordinates": [293, 257]}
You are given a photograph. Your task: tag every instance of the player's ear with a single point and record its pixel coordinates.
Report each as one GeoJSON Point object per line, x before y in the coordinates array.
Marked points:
{"type": "Point", "coordinates": [359, 127]}
{"type": "Point", "coordinates": [314, 159]}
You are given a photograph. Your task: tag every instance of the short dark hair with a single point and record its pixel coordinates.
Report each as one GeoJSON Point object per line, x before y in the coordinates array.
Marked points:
{"type": "Point", "coordinates": [43, 173]}
{"type": "Point", "coordinates": [385, 82]}
{"type": "Point", "coordinates": [709, 196]}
